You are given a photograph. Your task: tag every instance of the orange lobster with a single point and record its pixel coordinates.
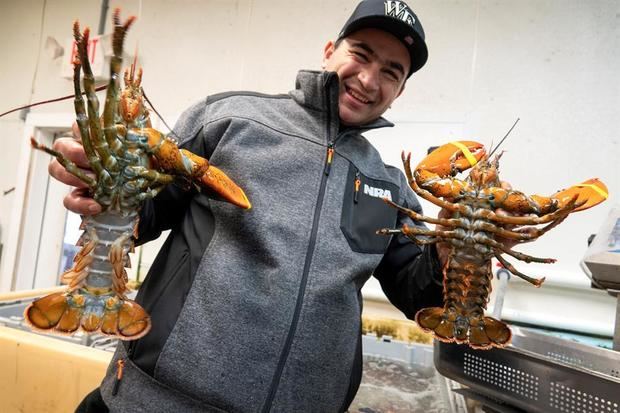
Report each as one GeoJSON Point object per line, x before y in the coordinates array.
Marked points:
{"type": "Point", "coordinates": [132, 162]}
{"type": "Point", "coordinates": [472, 232]}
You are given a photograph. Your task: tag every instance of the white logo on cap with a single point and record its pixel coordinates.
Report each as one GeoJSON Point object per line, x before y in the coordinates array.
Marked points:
{"type": "Point", "coordinates": [399, 10]}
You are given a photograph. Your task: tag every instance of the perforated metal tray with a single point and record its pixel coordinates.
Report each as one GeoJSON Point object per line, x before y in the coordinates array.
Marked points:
{"type": "Point", "coordinates": [537, 373]}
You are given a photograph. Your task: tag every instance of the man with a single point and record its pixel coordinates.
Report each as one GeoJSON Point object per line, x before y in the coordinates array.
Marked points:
{"type": "Point", "coordinates": [260, 310]}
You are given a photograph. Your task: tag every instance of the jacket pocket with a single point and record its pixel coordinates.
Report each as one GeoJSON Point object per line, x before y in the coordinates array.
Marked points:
{"type": "Point", "coordinates": [163, 298]}
{"type": "Point", "coordinates": [364, 212]}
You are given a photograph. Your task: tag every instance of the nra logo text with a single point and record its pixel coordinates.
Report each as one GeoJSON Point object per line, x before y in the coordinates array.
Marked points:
{"type": "Point", "coordinates": [377, 192]}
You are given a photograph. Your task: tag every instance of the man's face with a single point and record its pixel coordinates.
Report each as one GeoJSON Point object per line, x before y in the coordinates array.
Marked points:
{"type": "Point", "coordinates": [372, 66]}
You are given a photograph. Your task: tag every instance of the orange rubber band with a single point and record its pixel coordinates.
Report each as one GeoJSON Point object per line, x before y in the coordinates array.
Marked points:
{"type": "Point", "coordinates": [596, 188]}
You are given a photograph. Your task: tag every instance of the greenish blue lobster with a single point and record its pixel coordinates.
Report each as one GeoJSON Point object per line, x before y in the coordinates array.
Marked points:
{"type": "Point", "coordinates": [132, 162]}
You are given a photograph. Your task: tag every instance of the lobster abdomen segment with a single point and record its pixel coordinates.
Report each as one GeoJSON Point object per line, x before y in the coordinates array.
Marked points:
{"type": "Point", "coordinates": [467, 285]}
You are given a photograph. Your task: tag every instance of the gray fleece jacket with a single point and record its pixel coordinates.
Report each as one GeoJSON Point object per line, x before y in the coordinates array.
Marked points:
{"type": "Point", "coordinates": [259, 310]}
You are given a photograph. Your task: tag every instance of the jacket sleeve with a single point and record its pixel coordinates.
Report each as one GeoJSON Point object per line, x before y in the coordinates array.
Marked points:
{"type": "Point", "coordinates": [410, 276]}
{"type": "Point", "coordinates": [168, 208]}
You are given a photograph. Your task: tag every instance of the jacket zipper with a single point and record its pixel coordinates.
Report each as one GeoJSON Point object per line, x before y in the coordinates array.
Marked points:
{"type": "Point", "coordinates": [304, 278]}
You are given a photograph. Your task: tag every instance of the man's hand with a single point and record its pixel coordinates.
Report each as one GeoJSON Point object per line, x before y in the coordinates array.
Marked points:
{"type": "Point", "coordinates": [78, 200]}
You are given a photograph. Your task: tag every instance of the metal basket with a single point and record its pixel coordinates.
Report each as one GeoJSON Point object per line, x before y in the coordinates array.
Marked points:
{"type": "Point", "coordinates": [537, 373]}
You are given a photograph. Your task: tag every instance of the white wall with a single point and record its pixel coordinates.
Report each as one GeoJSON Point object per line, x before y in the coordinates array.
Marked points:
{"type": "Point", "coordinates": [553, 63]}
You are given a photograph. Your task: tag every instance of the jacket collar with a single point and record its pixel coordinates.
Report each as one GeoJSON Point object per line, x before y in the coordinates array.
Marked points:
{"type": "Point", "coordinates": [318, 90]}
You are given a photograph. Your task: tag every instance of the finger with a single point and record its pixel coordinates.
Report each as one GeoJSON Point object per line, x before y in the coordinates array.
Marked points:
{"type": "Point", "coordinates": [59, 172]}
{"type": "Point", "coordinates": [525, 230]}
{"type": "Point", "coordinates": [81, 203]}
{"type": "Point", "coordinates": [503, 213]}
{"type": "Point", "coordinates": [72, 150]}
{"type": "Point", "coordinates": [505, 185]}
{"type": "Point", "coordinates": [76, 132]}
{"type": "Point", "coordinates": [443, 253]}
{"type": "Point", "coordinates": [444, 213]}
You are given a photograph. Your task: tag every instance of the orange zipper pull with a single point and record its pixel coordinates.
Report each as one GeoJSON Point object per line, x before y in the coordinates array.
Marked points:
{"type": "Point", "coordinates": [358, 183]}
{"type": "Point", "coordinates": [120, 364]}
{"type": "Point", "coordinates": [330, 157]}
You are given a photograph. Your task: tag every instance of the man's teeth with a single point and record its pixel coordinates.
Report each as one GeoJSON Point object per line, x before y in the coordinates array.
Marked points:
{"type": "Point", "coordinates": [358, 96]}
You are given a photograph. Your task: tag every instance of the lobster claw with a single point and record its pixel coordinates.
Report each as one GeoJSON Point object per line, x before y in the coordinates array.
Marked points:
{"type": "Point", "coordinates": [451, 158]}
{"type": "Point", "coordinates": [214, 179]}
{"type": "Point", "coordinates": [187, 165]}
{"type": "Point", "coordinates": [435, 173]}
{"type": "Point", "coordinates": [589, 193]}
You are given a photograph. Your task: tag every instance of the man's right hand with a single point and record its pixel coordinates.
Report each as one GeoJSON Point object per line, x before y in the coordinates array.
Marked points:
{"type": "Point", "coordinates": [78, 200]}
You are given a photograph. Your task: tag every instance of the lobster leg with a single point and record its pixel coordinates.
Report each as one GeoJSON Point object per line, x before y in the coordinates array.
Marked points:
{"type": "Point", "coordinates": [71, 167]}
{"type": "Point", "coordinates": [446, 235]}
{"type": "Point", "coordinates": [529, 220]}
{"type": "Point", "coordinates": [82, 122]}
{"type": "Point", "coordinates": [485, 226]}
{"type": "Point", "coordinates": [504, 233]}
{"type": "Point", "coordinates": [412, 232]}
{"type": "Point", "coordinates": [453, 223]}
{"type": "Point", "coordinates": [96, 135]}
{"type": "Point", "coordinates": [520, 256]}
{"type": "Point", "coordinates": [518, 203]}
{"type": "Point", "coordinates": [111, 107]}
{"type": "Point", "coordinates": [150, 176]}
{"type": "Point", "coordinates": [536, 281]}
{"type": "Point", "coordinates": [533, 233]}
{"type": "Point", "coordinates": [419, 241]}
{"type": "Point", "coordinates": [144, 183]}
{"type": "Point", "coordinates": [149, 194]}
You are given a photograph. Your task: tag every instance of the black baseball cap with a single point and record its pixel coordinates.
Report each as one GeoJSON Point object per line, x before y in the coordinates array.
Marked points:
{"type": "Point", "coordinates": [396, 18]}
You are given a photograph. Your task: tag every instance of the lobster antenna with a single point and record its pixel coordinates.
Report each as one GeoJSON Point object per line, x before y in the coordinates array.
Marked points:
{"type": "Point", "coordinates": [135, 62]}
{"type": "Point", "coordinates": [98, 88]}
{"type": "Point", "coordinates": [158, 115]}
{"type": "Point", "coordinates": [504, 138]}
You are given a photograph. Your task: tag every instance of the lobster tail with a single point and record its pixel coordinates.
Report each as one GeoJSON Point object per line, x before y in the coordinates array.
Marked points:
{"type": "Point", "coordinates": [65, 313]}
{"type": "Point", "coordinates": [448, 326]}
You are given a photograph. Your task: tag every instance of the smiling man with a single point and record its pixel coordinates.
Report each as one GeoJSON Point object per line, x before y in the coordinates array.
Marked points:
{"type": "Point", "coordinates": [380, 46]}
{"type": "Point", "coordinates": [372, 66]}
{"type": "Point", "coordinates": [260, 310]}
